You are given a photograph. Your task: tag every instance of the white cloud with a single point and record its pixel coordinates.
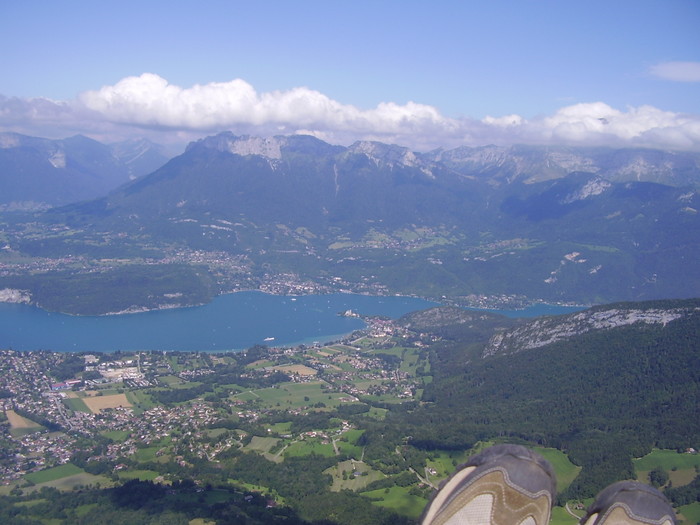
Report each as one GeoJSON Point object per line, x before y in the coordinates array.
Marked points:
{"type": "Point", "coordinates": [677, 71]}
{"type": "Point", "coordinates": [504, 122]}
{"type": "Point", "coordinates": [645, 126]}
{"type": "Point", "coordinates": [598, 124]}
{"type": "Point", "coordinates": [150, 106]}
{"type": "Point", "coordinates": [149, 100]}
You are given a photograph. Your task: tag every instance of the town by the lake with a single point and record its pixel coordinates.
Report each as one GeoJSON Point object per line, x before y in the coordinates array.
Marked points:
{"type": "Point", "coordinates": [167, 404]}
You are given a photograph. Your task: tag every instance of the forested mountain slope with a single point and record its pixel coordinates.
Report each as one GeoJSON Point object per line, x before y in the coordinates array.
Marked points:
{"type": "Point", "coordinates": [602, 394]}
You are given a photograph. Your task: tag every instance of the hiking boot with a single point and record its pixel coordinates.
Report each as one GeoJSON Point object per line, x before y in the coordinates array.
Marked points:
{"type": "Point", "coordinates": [503, 485]}
{"type": "Point", "coordinates": [629, 503]}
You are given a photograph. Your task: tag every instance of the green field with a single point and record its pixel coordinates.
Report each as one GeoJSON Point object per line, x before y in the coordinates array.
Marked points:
{"type": "Point", "coordinates": [216, 432]}
{"type": "Point", "coordinates": [270, 447]}
{"type": "Point", "coordinates": [667, 459]}
{"type": "Point", "coordinates": [351, 436]}
{"type": "Point", "coordinates": [561, 517]}
{"type": "Point", "coordinates": [308, 447]}
{"type": "Point", "coordinates": [691, 513]}
{"type": "Point", "coordinates": [76, 404]}
{"type": "Point", "coordinates": [248, 395]}
{"type": "Point", "coordinates": [352, 475]}
{"type": "Point", "coordinates": [65, 478]}
{"type": "Point", "coordinates": [143, 475]}
{"type": "Point", "coordinates": [146, 454]}
{"type": "Point", "coordinates": [108, 390]}
{"type": "Point", "coordinates": [365, 342]}
{"type": "Point", "coordinates": [345, 367]}
{"type": "Point", "coordinates": [262, 444]}
{"type": "Point", "coordinates": [377, 413]}
{"type": "Point", "coordinates": [399, 500]}
{"type": "Point", "coordinates": [565, 470]}
{"type": "Point", "coordinates": [328, 351]}
{"type": "Point", "coordinates": [71, 482]}
{"type": "Point", "coordinates": [365, 384]}
{"type": "Point", "coordinates": [140, 400]}
{"type": "Point", "coordinates": [410, 358]}
{"type": "Point", "coordinates": [681, 467]}
{"type": "Point", "coordinates": [292, 395]}
{"type": "Point", "coordinates": [678, 478]}
{"type": "Point", "coordinates": [174, 364]}
{"type": "Point", "coordinates": [349, 449]}
{"type": "Point", "coordinates": [54, 473]}
{"type": "Point", "coordinates": [281, 428]}
{"type": "Point", "coordinates": [263, 363]}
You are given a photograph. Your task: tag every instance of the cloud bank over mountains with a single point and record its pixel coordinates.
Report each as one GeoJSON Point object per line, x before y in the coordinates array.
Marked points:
{"type": "Point", "coordinates": [148, 105]}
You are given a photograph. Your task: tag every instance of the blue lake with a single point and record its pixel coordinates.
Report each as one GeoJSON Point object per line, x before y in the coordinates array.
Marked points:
{"type": "Point", "coordinates": [229, 322]}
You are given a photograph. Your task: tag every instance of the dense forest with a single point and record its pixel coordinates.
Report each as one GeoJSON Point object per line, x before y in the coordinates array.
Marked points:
{"type": "Point", "coordinates": [603, 397]}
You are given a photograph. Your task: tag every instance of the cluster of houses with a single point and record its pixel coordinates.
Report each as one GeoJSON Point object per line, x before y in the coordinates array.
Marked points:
{"type": "Point", "coordinates": [154, 425]}
{"type": "Point", "coordinates": [24, 380]}
{"type": "Point", "coordinates": [29, 388]}
{"type": "Point", "coordinates": [34, 452]}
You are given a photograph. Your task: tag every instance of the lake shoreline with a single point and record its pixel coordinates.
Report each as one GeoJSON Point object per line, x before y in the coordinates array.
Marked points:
{"type": "Point", "coordinates": [493, 304]}
{"type": "Point", "coordinates": [229, 322]}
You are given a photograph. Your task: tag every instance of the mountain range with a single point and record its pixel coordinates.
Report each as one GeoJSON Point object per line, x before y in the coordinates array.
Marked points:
{"type": "Point", "coordinates": [40, 173]}
{"type": "Point", "coordinates": [474, 225]}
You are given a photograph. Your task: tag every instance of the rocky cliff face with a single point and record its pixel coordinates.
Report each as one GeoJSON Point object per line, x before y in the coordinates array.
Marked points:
{"type": "Point", "coordinates": [531, 164]}
{"type": "Point", "coordinates": [547, 330]}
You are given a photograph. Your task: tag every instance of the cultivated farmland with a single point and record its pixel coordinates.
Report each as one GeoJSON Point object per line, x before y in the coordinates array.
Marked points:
{"type": "Point", "coordinates": [98, 403]}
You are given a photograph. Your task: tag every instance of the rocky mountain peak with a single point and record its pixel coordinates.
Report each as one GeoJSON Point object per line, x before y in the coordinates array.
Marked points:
{"type": "Point", "coordinates": [270, 148]}
{"type": "Point", "coordinates": [387, 154]}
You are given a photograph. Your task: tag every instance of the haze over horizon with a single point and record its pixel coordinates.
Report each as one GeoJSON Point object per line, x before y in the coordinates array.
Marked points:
{"type": "Point", "coordinates": [623, 74]}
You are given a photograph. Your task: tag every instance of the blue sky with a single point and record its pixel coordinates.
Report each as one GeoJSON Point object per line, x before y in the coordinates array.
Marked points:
{"type": "Point", "coordinates": [420, 74]}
